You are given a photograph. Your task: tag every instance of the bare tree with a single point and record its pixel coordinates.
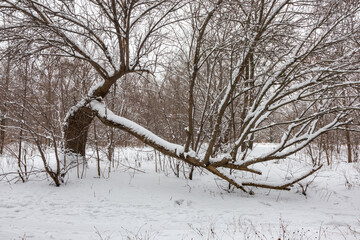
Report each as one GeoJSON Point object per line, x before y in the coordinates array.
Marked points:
{"type": "Point", "coordinates": [4, 86]}
{"type": "Point", "coordinates": [113, 36]}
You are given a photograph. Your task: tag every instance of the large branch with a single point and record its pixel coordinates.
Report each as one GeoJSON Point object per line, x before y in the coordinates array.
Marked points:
{"type": "Point", "coordinates": [284, 149]}
{"type": "Point", "coordinates": [284, 186]}
{"type": "Point", "coordinates": [141, 133]}
{"type": "Point", "coordinates": [149, 138]}
{"type": "Point", "coordinates": [177, 151]}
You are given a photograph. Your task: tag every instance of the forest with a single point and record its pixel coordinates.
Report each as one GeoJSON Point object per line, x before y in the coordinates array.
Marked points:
{"type": "Point", "coordinates": [197, 81]}
{"type": "Point", "coordinates": [202, 85]}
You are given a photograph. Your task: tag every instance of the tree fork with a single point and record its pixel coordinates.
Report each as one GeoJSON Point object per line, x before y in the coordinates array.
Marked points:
{"type": "Point", "coordinates": [77, 123]}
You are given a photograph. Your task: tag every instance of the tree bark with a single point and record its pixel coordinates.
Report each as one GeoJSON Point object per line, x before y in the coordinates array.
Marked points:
{"type": "Point", "coordinates": [76, 130]}
{"type": "Point", "coordinates": [77, 124]}
{"type": "Point", "coordinates": [3, 109]}
{"type": "Point", "coordinates": [2, 133]}
{"type": "Point", "coordinates": [348, 144]}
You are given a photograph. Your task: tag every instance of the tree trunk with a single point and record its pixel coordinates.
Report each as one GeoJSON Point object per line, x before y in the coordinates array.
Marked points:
{"type": "Point", "coordinates": [3, 109]}
{"type": "Point", "coordinates": [2, 133]}
{"type": "Point", "coordinates": [348, 144]}
{"type": "Point", "coordinates": [77, 124]}
{"type": "Point", "coordinates": [76, 130]}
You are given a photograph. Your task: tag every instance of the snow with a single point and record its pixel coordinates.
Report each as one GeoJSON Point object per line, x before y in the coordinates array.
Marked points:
{"type": "Point", "coordinates": [84, 101]}
{"type": "Point", "coordinates": [74, 109]}
{"type": "Point", "coordinates": [156, 205]}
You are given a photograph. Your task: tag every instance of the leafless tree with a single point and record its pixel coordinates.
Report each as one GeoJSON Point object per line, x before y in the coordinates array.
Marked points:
{"type": "Point", "coordinates": [4, 85]}
{"type": "Point", "coordinates": [115, 37]}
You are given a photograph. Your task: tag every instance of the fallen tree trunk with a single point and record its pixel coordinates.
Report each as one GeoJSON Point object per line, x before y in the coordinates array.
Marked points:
{"type": "Point", "coordinates": [178, 151]}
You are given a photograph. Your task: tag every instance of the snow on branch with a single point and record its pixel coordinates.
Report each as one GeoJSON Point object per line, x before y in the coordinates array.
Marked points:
{"type": "Point", "coordinates": [283, 186]}
{"type": "Point", "coordinates": [146, 136]}
{"type": "Point", "coordinates": [290, 145]}
{"type": "Point", "coordinates": [177, 151]}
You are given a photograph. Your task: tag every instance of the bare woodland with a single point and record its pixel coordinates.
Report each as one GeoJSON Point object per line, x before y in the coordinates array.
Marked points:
{"type": "Point", "coordinates": [198, 81]}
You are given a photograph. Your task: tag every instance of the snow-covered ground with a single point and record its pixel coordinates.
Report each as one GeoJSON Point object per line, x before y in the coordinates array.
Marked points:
{"type": "Point", "coordinates": [133, 204]}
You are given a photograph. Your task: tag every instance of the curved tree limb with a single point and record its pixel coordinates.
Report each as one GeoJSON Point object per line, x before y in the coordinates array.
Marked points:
{"type": "Point", "coordinates": [177, 151]}
{"type": "Point", "coordinates": [285, 186]}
